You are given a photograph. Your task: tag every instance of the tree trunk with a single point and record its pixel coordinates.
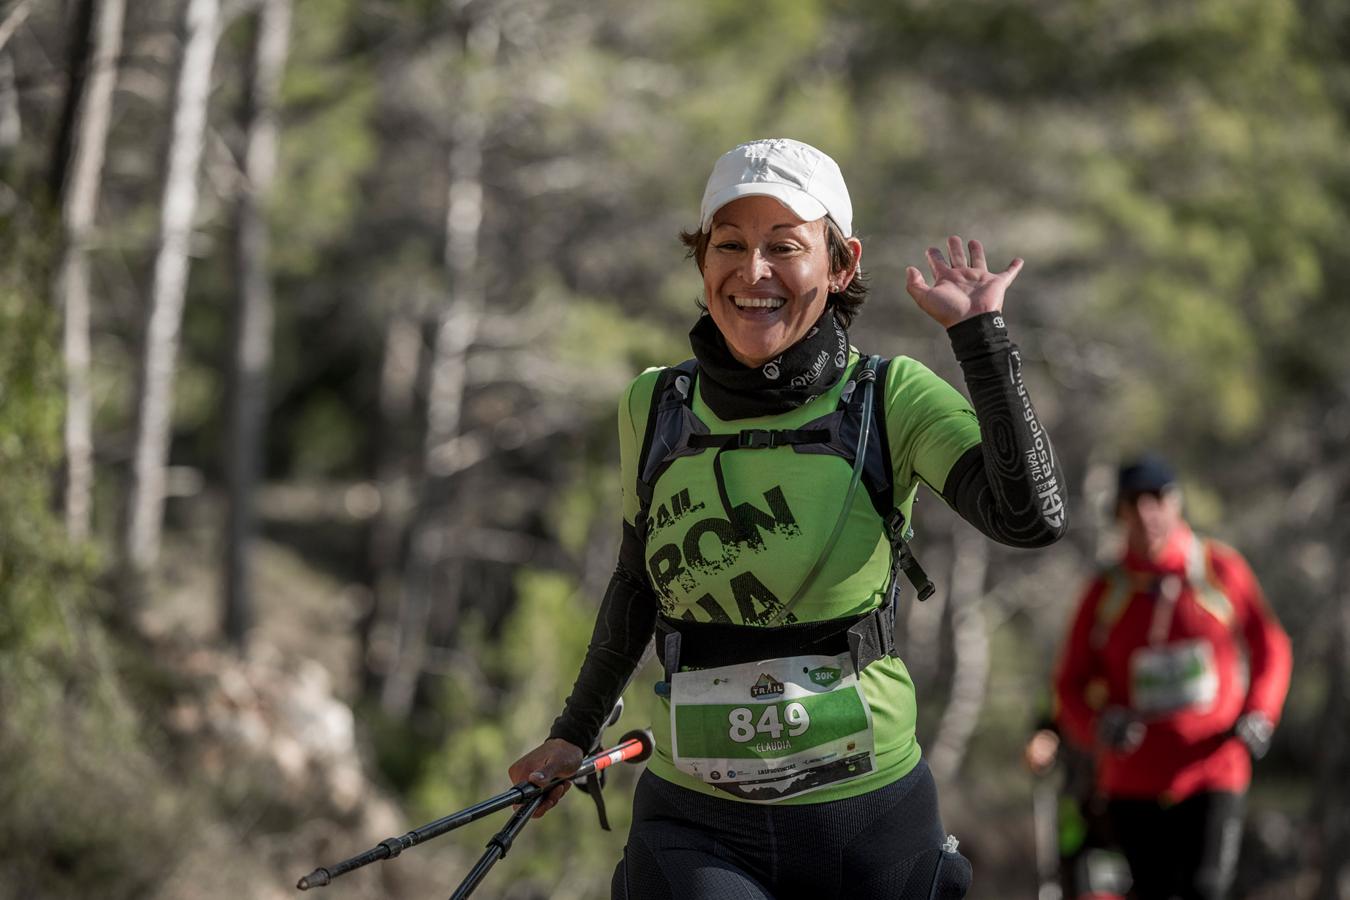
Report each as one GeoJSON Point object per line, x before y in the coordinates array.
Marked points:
{"type": "Point", "coordinates": [456, 330]}
{"type": "Point", "coordinates": [155, 402]}
{"type": "Point", "coordinates": [11, 122]}
{"type": "Point", "coordinates": [79, 208]}
{"type": "Point", "coordinates": [253, 323]}
{"type": "Point", "coordinates": [970, 645]}
{"type": "Point", "coordinates": [398, 387]}
{"type": "Point", "coordinates": [13, 19]}
{"type": "Point", "coordinates": [77, 70]}
{"type": "Point", "coordinates": [458, 321]}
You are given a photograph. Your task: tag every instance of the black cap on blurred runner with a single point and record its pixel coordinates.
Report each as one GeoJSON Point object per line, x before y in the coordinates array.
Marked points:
{"type": "Point", "coordinates": [1149, 474]}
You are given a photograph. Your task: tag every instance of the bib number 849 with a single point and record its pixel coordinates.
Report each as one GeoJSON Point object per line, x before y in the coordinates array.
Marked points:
{"type": "Point", "coordinates": [742, 731]}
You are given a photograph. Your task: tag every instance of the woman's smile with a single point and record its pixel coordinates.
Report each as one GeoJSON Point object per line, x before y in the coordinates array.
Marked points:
{"type": "Point", "coordinates": [745, 302]}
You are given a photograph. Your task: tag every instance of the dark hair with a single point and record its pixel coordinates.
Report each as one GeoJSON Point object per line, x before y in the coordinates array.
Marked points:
{"type": "Point", "coordinates": [847, 303]}
{"type": "Point", "coordinates": [1148, 474]}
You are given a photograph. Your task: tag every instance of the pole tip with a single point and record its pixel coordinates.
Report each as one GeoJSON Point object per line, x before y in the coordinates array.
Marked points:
{"type": "Point", "coordinates": [317, 878]}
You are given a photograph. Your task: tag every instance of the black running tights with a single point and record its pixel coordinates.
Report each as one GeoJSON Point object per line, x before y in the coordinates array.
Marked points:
{"type": "Point", "coordinates": [885, 845]}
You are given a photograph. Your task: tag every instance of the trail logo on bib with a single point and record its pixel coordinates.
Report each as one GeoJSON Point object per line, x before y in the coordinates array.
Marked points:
{"type": "Point", "coordinates": [766, 686]}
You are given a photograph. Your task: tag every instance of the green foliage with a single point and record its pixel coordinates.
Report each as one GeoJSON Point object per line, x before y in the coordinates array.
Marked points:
{"type": "Point", "coordinates": [325, 415]}
{"type": "Point", "coordinates": [587, 334]}
{"type": "Point", "coordinates": [586, 502]}
{"type": "Point", "coordinates": [328, 141]}
{"type": "Point", "coordinates": [35, 564]}
{"type": "Point", "coordinates": [83, 798]}
{"type": "Point", "coordinates": [73, 759]}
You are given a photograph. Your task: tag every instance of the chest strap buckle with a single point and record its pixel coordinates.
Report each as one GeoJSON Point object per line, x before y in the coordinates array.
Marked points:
{"type": "Point", "coordinates": [756, 439]}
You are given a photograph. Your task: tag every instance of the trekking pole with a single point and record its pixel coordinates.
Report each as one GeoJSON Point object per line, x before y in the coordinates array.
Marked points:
{"type": "Point", "coordinates": [496, 848]}
{"type": "Point", "coordinates": [635, 746]}
{"type": "Point", "coordinates": [501, 842]}
{"type": "Point", "coordinates": [1044, 756]}
{"type": "Point", "coordinates": [1044, 801]}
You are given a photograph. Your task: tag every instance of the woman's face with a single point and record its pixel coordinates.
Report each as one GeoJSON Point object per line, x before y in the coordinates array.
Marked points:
{"type": "Point", "coordinates": [766, 276]}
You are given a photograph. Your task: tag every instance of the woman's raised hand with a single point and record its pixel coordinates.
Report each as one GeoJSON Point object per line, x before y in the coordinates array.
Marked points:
{"type": "Point", "coordinates": [962, 288]}
{"type": "Point", "coordinates": [554, 758]}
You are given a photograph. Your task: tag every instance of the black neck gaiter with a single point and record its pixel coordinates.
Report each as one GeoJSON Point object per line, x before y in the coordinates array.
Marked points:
{"type": "Point", "coordinates": [805, 370]}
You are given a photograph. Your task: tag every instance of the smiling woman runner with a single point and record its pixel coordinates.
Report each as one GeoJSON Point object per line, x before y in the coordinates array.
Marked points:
{"type": "Point", "coordinates": [788, 765]}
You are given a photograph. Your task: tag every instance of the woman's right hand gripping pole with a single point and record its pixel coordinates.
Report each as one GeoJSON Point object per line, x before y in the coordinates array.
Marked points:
{"type": "Point", "coordinates": [554, 758]}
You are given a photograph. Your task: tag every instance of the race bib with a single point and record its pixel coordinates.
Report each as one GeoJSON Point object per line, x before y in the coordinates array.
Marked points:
{"type": "Point", "coordinates": [1173, 677]}
{"type": "Point", "coordinates": [764, 731]}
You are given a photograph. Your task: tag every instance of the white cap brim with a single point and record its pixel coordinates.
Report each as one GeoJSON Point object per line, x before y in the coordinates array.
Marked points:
{"type": "Point", "coordinates": [802, 204]}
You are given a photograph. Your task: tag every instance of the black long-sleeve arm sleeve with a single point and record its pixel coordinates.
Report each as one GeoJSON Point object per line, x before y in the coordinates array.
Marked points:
{"type": "Point", "coordinates": [1009, 486]}
{"type": "Point", "coordinates": [624, 625]}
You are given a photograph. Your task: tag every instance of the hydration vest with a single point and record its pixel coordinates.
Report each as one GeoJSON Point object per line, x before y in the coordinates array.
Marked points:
{"type": "Point", "coordinates": [674, 432]}
{"type": "Point", "coordinates": [1121, 585]}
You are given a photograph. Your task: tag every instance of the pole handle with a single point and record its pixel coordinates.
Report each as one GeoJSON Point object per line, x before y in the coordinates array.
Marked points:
{"type": "Point", "coordinates": [634, 747]}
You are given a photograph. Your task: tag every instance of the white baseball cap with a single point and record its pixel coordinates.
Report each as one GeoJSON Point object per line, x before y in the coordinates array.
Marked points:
{"type": "Point", "coordinates": [797, 175]}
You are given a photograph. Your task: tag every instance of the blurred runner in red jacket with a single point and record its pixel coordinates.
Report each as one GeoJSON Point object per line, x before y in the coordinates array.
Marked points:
{"type": "Point", "coordinates": [1174, 673]}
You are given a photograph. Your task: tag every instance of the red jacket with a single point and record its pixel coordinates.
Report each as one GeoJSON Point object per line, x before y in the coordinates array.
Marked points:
{"type": "Point", "coordinates": [1165, 640]}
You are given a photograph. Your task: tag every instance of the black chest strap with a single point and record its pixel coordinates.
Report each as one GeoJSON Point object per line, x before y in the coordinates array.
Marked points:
{"type": "Point", "coordinates": [683, 644]}
{"type": "Point", "coordinates": [674, 432]}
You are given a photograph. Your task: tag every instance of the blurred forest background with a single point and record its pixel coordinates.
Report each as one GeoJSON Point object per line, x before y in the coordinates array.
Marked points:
{"type": "Point", "coordinates": [313, 319]}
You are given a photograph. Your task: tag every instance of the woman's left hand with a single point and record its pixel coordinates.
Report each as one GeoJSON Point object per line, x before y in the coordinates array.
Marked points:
{"type": "Point", "coordinates": [961, 289]}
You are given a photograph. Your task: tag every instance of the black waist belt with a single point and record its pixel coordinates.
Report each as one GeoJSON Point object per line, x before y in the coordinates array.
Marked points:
{"type": "Point", "coordinates": [705, 645]}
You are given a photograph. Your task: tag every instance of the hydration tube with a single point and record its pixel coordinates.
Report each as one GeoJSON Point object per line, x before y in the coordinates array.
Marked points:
{"type": "Point", "coordinates": [866, 380]}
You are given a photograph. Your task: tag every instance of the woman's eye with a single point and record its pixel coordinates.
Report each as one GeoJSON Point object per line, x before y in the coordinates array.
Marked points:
{"type": "Point", "coordinates": [728, 246]}
{"type": "Point", "coordinates": [784, 248]}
